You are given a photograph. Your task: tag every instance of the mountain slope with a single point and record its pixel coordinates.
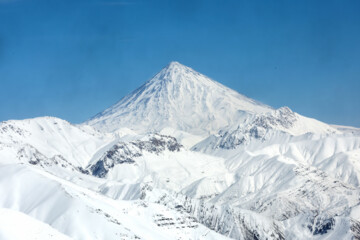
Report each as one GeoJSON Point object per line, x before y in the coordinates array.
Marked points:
{"type": "Point", "coordinates": [184, 157]}
{"type": "Point", "coordinates": [54, 137]}
{"type": "Point", "coordinates": [252, 190]}
{"type": "Point", "coordinates": [180, 98]}
{"type": "Point", "coordinates": [261, 127]}
{"type": "Point", "coordinates": [31, 228]}
{"type": "Point", "coordinates": [81, 213]}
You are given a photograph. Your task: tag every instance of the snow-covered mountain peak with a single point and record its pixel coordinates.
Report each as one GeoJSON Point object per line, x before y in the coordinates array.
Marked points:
{"type": "Point", "coordinates": [172, 70]}
{"type": "Point", "coordinates": [178, 74]}
{"type": "Point", "coordinates": [178, 97]}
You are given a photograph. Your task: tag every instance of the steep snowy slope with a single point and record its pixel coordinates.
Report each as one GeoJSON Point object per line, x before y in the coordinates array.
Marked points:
{"type": "Point", "coordinates": [81, 213]}
{"type": "Point", "coordinates": [183, 103]}
{"type": "Point", "coordinates": [180, 98]}
{"type": "Point", "coordinates": [286, 182]}
{"type": "Point", "coordinates": [15, 225]}
{"type": "Point", "coordinates": [32, 181]}
{"type": "Point", "coordinates": [282, 121]}
{"type": "Point", "coordinates": [184, 157]}
{"type": "Point", "coordinates": [53, 137]}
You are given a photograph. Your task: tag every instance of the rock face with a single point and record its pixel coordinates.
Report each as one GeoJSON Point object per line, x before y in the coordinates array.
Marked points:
{"type": "Point", "coordinates": [158, 143]}
{"type": "Point", "coordinates": [262, 126]}
{"type": "Point", "coordinates": [120, 153]}
{"type": "Point", "coordinates": [256, 127]}
{"type": "Point", "coordinates": [126, 153]}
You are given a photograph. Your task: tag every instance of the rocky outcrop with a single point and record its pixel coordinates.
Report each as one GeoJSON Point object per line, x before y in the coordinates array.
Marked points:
{"type": "Point", "coordinates": [127, 152]}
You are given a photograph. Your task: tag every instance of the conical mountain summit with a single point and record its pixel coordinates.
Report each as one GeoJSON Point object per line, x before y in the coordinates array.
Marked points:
{"type": "Point", "coordinates": [180, 98]}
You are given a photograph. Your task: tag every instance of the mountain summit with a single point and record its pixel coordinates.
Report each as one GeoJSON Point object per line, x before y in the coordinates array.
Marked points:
{"type": "Point", "coordinates": [178, 97]}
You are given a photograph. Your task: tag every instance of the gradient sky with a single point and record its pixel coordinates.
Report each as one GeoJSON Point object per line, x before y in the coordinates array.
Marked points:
{"type": "Point", "coordinates": [72, 59]}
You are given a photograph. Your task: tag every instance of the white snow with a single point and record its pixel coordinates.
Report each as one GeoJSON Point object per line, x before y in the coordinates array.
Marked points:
{"type": "Point", "coordinates": [15, 225]}
{"type": "Point", "coordinates": [180, 98]}
{"type": "Point", "coordinates": [237, 169]}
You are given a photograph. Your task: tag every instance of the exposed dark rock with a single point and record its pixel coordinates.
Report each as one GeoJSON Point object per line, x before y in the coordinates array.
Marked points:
{"type": "Point", "coordinates": [159, 143]}
{"type": "Point", "coordinates": [355, 229]}
{"type": "Point", "coordinates": [82, 170]}
{"type": "Point", "coordinates": [222, 219]}
{"type": "Point", "coordinates": [256, 128]}
{"type": "Point", "coordinates": [321, 226]}
{"type": "Point", "coordinates": [126, 153]}
{"type": "Point", "coordinates": [8, 127]}
{"type": "Point", "coordinates": [99, 169]}
{"type": "Point", "coordinates": [31, 155]}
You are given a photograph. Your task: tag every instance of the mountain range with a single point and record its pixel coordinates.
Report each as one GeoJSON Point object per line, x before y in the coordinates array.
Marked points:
{"type": "Point", "coordinates": [181, 157]}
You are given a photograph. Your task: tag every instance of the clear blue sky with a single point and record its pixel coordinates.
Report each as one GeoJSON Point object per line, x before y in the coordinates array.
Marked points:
{"type": "Point", "coordinates": [72, 59]}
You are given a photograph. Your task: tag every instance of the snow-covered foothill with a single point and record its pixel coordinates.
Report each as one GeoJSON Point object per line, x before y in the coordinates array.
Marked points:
{"type": "Point", "coordinates": [182, 157]}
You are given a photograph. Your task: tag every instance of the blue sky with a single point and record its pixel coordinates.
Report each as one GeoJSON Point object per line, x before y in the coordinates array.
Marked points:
{"type": "Point", "coordinates": [72, 59]}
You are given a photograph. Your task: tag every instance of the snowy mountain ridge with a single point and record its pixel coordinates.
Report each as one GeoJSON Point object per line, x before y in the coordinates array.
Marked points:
{"type": "Point", "coordinates": [182, 157]}
{"type": "Point", "coordinates": [262, 126]}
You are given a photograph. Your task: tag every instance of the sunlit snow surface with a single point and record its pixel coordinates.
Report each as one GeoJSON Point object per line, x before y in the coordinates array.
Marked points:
{"type": "Point", "coordinates": [19, 226]}
{"type": "Point", "coordinates": [183, 157]}
{"type": "Point", "coordinates": [181, 98]}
